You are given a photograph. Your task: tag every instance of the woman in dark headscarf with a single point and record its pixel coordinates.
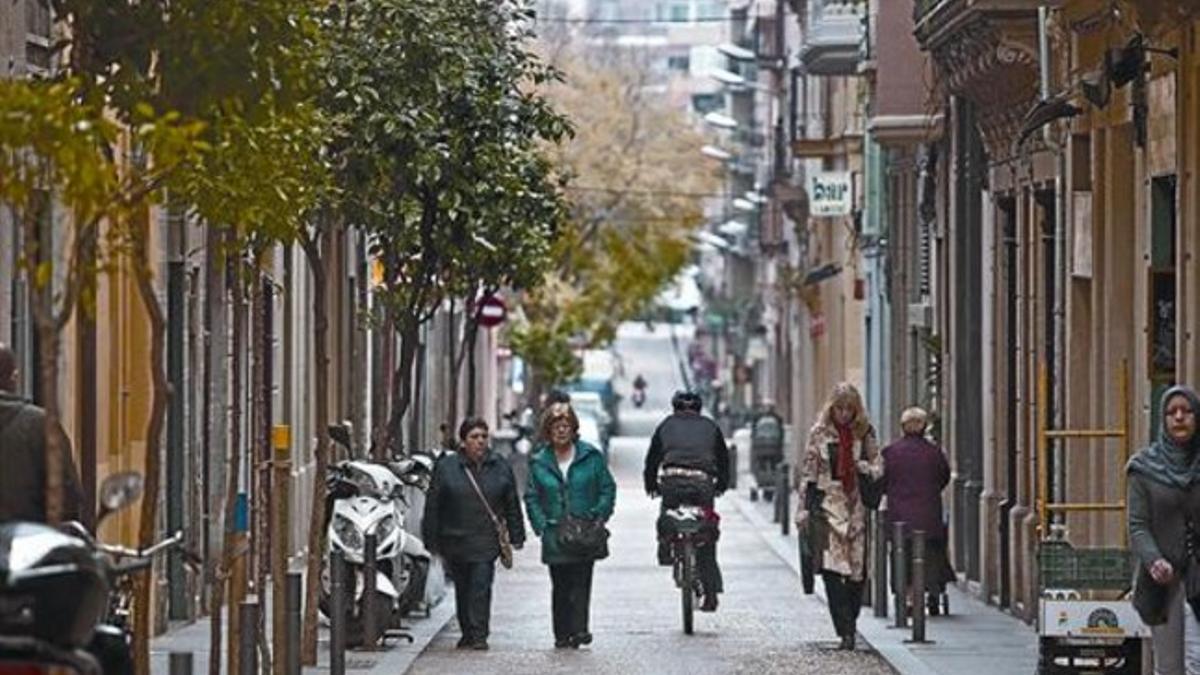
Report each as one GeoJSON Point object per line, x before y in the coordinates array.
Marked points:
{"type": "Point", "coordinates": [1164, 519]}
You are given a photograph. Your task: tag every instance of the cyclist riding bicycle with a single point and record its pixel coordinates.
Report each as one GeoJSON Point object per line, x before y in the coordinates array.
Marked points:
{"type": "Point", "coordinates": [689, 452]}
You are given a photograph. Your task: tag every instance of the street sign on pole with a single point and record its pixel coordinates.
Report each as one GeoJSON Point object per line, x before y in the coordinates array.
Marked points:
{"type": "Point", "coordinates": [492, 311]}
{"type": "Point", "coordinates": [830, 194]}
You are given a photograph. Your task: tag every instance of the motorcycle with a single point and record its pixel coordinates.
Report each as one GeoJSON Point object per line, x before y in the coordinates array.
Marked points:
{"type": "Point", "coordinates": [638, 397]}
{"type": "Point", "coordinates": [364, 498]}
{"type": "Point", "coordinates": [65, 598]}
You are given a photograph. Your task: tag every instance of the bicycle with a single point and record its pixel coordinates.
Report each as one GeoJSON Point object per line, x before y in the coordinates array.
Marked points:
{"type": "Point", "coordinates": [687, 528]}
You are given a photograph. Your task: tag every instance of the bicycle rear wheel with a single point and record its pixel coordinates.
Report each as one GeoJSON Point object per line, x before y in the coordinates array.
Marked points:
{"type": "Point", "coordinates": [688, 587]}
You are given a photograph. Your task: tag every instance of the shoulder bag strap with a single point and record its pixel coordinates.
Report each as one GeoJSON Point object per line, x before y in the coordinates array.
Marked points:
{"type": "Point", "coordinates": [474, 484]}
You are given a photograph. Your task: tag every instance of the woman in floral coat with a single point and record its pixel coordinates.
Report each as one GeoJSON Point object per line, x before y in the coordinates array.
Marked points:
{"type": "Point", "coordinates": [841, 449]}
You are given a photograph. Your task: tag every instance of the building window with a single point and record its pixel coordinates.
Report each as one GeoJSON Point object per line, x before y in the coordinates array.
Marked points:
{"type": "Point", "coordinates": [37, 34]}
{"type": "Point", "coordinates": [706, 103]}
{"type": "Point", "coordinates": [679, 63]}
{"type": "Point", "coordinates": [681, 12]}
{"type": "Point", "coordinates": [710, 10]}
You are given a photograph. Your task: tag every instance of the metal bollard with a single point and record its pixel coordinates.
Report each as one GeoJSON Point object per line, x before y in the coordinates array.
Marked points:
{"type": "Point", "coordinates": [248, 637]}
{"type": "Point", "coordinates": [775, 501]}
{"type": "Point", "coordinates": [370, 630]}
{"type": "Point", "coordinates": [879, 577]}
{"type": "Point", "coordinates": [785, 500]}
{"type": "Point", "coordinates": [294, 611]}
{"type": "Point", "coordinates": [918, 584]}
{"type": "Point", "coordinates": [337, 622]}
{"type": "Point", "coordinates": [180, 663]}
{"type": "Point", "coordinates": [899, 576]}
{"type": "Point", "coordinates": [733, 467]}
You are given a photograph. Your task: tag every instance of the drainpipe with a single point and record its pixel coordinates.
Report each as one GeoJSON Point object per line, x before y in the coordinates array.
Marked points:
{"type": "Point", "coordinates": [1055, 414]}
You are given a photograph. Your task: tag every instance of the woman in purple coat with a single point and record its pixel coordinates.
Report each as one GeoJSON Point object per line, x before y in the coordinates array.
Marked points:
{"type": "Point", "coordinates": [915, 472]}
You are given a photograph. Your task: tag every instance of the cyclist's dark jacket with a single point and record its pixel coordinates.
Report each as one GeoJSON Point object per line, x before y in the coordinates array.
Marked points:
{"type": "Point", "coordinates": [688, 440]}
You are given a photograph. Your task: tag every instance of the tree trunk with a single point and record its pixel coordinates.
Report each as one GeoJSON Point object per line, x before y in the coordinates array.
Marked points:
{"type": "Point", "coordinates": [48, 346]}
{"type": "Point", "coordinates": [314, 250]}
{"type": "Point", "coordinates": [466, 352]}
{"type": "Point", "coordinates": [233, 476]}
{"type": "Point", "coordinates": [410, 333]}
{"type": "Point", "coordinates": [261, 452]}
{"type": "Point", "coordinates": [148, 524]}
{"type": "Point", "coordinates": [382, 390]}
{"type": "Point", "coordinates": [455, 364]}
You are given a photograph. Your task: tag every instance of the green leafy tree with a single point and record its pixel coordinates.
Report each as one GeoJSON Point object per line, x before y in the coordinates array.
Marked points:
{"type": "Point", "coordinates": [443, 171]}
{"type": "Point", "coordinates": [58, 150]}
{"type": "Point", "coordinates": [243, 70]}
{"type": "Point", "coordinates": [637, 193]}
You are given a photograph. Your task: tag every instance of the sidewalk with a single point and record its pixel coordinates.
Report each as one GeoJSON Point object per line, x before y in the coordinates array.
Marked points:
{"type": "Point", "coordinates": [975, 637]}
{"type": "Point", "coordinates": [395, 657]}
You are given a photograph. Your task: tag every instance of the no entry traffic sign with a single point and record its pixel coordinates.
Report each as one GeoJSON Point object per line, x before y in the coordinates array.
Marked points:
{"type": "Point", "coordinates": [492, 311]}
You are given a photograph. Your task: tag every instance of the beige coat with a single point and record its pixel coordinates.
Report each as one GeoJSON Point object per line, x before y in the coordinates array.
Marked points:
{"type": "Point", "coordinates": [841, 525]}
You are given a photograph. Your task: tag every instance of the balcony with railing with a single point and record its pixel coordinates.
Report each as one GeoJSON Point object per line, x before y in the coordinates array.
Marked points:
{"type": "Point", "coordinates": [939, 21]}
{"type": "Point", "coordinates": [833, 36]}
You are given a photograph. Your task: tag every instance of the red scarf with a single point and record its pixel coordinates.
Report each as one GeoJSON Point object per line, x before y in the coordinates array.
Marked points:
{"type": "Point", "coordinates": [846, 470]}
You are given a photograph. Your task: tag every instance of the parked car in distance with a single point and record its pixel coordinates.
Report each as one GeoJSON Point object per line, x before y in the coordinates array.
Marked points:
{"type": "Point", "coordinates": [589, 430]}
{"type": "Point", "coordinates": [603, 386]}
{"type": "Point", "coordinates": [589, 402]}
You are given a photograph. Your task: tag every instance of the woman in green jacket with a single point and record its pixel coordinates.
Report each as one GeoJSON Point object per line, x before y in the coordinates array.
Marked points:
{"type": "Point", "coordinates": [567, 475]}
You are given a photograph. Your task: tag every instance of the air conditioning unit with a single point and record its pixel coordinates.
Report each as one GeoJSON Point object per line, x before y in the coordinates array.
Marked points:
{"type": "Point", "coordinates": [920, 315]}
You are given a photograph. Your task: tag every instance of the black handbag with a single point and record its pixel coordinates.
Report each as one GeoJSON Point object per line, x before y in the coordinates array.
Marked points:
{"type": "Point", "coordinates": [581, 537]}
{"type": "Point", "coordinates": [870, 489]}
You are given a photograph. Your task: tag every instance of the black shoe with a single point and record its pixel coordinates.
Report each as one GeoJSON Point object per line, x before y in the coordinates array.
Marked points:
{"type": "Point", "coordinates": [847, 643]}
{"type": "Point", "coordinates": [582, 639]}
{"type": "Point", "coordinates": [710, 603]}
{"type": "Point", "coordinates": [479, 645]}
{"type": "Point", "coordinates": [934, 605]}
{"type": "Point", "coordinates": [464, 642]}
{"type": "Point", "coordinates": [563, 643]}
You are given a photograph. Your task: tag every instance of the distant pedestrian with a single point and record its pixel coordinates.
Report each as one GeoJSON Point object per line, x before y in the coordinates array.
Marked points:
{"type": "Point", "coordinates": [1164, 533]}
{"type": "Point", "coordinates": [23, 454]}
{"type": "Point", "coordinates": [841, 451]}
{"type": "Point", "coordinates": [567, 477]}
{"type": "Point", "coordinates": [915, 472]}
{"type": "Point", "coordinates": [473, 495]}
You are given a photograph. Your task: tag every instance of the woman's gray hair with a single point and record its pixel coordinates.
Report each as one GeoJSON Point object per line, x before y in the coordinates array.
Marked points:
{"type": "Point", "coordinates": [914, 420]}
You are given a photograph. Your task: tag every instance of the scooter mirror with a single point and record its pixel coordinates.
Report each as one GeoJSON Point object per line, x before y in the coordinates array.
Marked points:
{"type": "Point", "coordinates": [340, 433]}
{"type": "Point", "coordinates": [118, 491]}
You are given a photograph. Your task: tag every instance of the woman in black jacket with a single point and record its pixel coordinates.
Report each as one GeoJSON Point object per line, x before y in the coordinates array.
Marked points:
{"type": "Point", "coordinates": [458, 526]}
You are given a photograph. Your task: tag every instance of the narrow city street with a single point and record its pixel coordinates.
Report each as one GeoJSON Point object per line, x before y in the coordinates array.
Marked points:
{"type": "Point", "coordinates": [764, 625]}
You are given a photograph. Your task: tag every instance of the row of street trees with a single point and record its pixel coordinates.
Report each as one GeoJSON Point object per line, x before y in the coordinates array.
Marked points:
{"type": "Point", "coordinates": [417, 122]}
{"type": "Point", "coordinates": [430, 126]}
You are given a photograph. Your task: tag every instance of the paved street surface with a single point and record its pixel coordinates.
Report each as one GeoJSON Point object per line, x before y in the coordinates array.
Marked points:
{"type": "Point", "coordinates": [975, 637]}
{"type": "Point", "coordinates": [764, 625]}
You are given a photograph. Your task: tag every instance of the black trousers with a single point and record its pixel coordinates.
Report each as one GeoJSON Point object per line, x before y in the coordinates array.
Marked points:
{"type": "Point", "coordinates": [845, 601]}
{"type": "Point", "coordinates": [571, 598]}
{"type": "Point", "coordinates": [473, 596]}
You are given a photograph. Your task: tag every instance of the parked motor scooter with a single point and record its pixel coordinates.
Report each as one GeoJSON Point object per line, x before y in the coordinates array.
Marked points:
{"type": "Point", "coordinates": [64, 597]}
{"type": "Point", "coordinates": [362, 498]}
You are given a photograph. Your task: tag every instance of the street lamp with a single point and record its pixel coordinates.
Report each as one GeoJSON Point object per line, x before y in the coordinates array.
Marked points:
{"type": "Point", "coordinates": [733, 228]}
{"type": "Point", "coordinates": [721, 121]}
{"type": "Point", "coordinates": [716, 153]}
{"type": "Point", "coordinates": [743, 204]}
{"type": "Point", "coordinates": [727, 77]}
{"type": "Point", "coordinates": [736, 53]}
